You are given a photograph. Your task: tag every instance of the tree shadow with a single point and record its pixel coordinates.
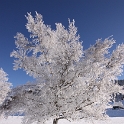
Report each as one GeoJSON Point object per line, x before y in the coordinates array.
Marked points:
{"type": "Point", "coordinates": [115, 112]}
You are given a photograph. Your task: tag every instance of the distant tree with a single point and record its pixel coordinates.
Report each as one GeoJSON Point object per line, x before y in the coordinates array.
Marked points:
{"type": "Point", "coordinates": [4, 85]}
{"type": "Point", "coordinates": [73, 83]}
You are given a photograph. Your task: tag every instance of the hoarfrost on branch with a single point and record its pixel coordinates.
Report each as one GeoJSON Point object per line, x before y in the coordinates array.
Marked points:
{"type": "Point", "coordinates": [73, 82]}
{"type": "Point", "coordinates": [4, 85]}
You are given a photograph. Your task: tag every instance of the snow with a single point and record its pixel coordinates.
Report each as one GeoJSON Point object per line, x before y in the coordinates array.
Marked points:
{"type": "Point", "coordinates": [11, 120]}
{"type": "Point", "coordinates": [119, 104]}
{"type": "Point", "coordinates": [116, 116]}
{"type": "Point", "coordinates": [77, 82]}
{"type": "Point", "coordinates": [112, 120]}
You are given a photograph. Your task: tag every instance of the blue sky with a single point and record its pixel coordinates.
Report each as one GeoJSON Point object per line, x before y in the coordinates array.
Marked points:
{"type": "Point", "coordinates": [94, 19]}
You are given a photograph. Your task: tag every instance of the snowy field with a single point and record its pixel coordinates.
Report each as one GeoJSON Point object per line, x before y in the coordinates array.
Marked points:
{"type": "Point", "coordinates": [116, 117]}
{"type": "Point", "coordinates": [112, 120]}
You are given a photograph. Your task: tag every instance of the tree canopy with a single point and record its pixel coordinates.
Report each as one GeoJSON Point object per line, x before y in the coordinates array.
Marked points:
{"type": "Point", "coordinates": [4, 85]}
{"type": "Point", "coordinates": [71, 82]}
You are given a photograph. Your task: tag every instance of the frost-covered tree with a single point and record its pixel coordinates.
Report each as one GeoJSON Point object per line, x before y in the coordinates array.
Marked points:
{"type": "Point", "coordinates": [4, 85]}
{"type": "Point", "coordinates": [72, 83]}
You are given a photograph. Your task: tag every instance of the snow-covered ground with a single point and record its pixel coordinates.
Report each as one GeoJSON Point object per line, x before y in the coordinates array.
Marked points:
{"type": "Point", "coordinates": [112, 120]}
{"type": "Point", "coordinates": [116, 117]}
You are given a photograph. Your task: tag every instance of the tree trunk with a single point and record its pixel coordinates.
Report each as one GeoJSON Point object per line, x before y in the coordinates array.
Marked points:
{"type": "Point", "coordinates": [55, 121]}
